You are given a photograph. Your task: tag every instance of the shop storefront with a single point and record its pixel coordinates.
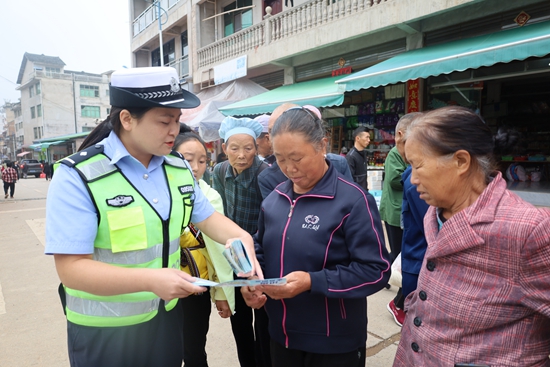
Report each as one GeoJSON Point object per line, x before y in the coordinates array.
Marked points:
{"type": "Point", "coordinates": [503, 76]}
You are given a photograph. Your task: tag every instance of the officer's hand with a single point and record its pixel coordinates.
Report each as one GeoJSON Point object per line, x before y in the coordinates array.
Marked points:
{"type": "Point", "coordinates": [174, 283]}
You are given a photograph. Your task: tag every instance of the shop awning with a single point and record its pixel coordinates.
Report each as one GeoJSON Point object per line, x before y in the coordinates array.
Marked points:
{"type": "Point", "coordinates": [23, 154]}
{"type": "Point", "coordinates": [44, 146]}
{"type": "Point", "coordinates": [319, 93]}
{"type": "Point", "coordinates": [471, 53]}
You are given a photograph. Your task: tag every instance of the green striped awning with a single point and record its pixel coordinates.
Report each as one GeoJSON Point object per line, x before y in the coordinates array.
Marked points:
{"type": "Point", "coordinates": [470, 53]}
{"type": "Point", "coordinates": [319, 93]}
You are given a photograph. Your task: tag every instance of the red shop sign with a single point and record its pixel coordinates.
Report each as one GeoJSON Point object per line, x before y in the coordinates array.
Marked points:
{"type": "Point", "coordinates": [413, 98]}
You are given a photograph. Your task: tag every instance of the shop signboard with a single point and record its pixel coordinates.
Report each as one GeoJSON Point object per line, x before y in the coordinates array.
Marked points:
{"type": "Point", "coordinates": [230, 70]}
{"type": "Point", "coordinates": [413, 98]}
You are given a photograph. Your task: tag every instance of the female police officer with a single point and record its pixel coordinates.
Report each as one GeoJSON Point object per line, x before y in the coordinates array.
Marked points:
{"type": "Point", "coordinates": [114, 215]}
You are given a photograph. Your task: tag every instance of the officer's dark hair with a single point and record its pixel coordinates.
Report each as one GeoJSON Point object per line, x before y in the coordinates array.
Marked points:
{"type": "Point", "coordinates": [111, 123]}
{"type": "Point", "coordinates": [359, 130]}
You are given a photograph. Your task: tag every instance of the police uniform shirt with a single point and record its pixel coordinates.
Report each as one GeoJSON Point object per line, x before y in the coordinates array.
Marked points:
{"type": "Point", "coordinates": [71, 219]}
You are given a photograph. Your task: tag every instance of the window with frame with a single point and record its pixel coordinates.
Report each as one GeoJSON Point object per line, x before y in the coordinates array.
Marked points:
{"type": "Point", "coordinates": [89, 90]}
{"type": "Point", "coordinates": [37, 89]}
{"type": "Point", "coordinates": [33, 113]}
{"type": "Point", "coordinates": [37, 132]}
{"type": "Point", "coordinates": [108, 111]}
{"type": "Point", "coordinates": [184, 44]}
{"type": "Point", "coordinates": [50, 70]}
{"type": "Point", "coordinates": [90, 111]}
{"type": "Point", "coordinates": [87, 128]}
{"type": "Point", "coordinates": [39, 110]}
{"type": "Point", "coordinates": [31, 92]}
{"type": "Point", "coordinates": [169, 51]}
{"type": "Point", "coordinates": [238, 19]}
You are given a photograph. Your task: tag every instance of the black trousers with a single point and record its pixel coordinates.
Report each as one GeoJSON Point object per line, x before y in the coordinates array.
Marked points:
{"type": "Point", "coordinates": [285, 357]}
{"type": "Point", "coordinates": [155, 343]}
{"type": "Point", "coordinates": [252, 342]}
{"type": "Point", "coordinates": [395, 237]}
{"type": "Point", "coordinates": [196, 321]}
{"type": "Point", "coordinates": [10, 186]}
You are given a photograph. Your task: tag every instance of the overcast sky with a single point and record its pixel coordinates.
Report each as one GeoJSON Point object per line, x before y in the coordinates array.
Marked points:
{"type": "Point", "coordinates": [88, 35]}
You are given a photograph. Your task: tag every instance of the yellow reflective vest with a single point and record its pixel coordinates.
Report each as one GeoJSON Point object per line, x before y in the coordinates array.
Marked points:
{"type": "Point", "coordinates": [130, 234]}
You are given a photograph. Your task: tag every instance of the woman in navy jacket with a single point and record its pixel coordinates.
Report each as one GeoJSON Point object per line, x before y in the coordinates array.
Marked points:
{"type": "Point", "coordinates": [323, 233]}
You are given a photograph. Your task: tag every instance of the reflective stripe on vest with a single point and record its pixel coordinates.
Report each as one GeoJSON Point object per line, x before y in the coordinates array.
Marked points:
{"type": "Point", "coordinates": [130, 234]}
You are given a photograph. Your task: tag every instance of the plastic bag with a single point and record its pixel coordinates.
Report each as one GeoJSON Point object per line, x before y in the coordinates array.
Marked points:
{"type": "Point", "coordinates": [396, 277]}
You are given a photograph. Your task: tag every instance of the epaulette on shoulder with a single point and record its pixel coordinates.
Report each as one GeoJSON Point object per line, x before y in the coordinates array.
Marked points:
{"type": "Point", "coordinates": [177, 161]}
{"type": "Point", "coordinates": [81, 156]}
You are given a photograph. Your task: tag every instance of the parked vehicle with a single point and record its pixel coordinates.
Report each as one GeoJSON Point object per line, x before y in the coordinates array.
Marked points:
{"type": "Point", "coordinates": [30, 167]}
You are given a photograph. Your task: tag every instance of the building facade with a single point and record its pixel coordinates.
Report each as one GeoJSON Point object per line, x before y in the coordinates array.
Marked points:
{"type": "Point", "coordinates": [56, 102]}
{"type": "Point", "coordinates": [497, 65]}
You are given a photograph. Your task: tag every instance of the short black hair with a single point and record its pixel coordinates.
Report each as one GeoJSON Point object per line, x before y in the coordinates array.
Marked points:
{"type": "Point", "coordinates": [359, 130]}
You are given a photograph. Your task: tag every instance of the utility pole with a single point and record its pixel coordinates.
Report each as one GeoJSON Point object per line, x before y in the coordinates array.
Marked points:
{"type": "Point", "coordinates": [159, 15]}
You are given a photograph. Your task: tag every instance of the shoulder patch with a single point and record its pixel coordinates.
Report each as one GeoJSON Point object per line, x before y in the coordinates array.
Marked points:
{"type": "Point", "coordinates": [81, 156]}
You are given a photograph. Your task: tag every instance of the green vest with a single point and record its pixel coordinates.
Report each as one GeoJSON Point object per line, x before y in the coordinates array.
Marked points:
{"type": "Point", "coordinates": [130, 234]}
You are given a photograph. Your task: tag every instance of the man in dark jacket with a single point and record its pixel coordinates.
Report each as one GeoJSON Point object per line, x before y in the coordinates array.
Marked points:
{"type": "Point", "coordinates": [357, 156]}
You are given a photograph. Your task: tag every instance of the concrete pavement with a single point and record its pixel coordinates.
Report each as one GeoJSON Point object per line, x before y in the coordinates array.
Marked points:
{"type": "Point", "coordinates": [32, 324]}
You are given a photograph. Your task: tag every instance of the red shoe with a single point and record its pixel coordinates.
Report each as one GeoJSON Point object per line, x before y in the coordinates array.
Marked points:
{"type": "Point", "coordinates": [397, 313]}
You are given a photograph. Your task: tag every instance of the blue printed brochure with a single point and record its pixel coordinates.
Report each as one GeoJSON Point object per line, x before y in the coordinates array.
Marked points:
{"type": "Point", "coordinates": [237, 257]}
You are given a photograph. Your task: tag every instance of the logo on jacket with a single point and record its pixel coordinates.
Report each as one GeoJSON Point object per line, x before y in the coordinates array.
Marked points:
{"type": "Point", "coordinates": [186, 189]}
{"type": "Point", "coordinates": [311, 222]}
{"type": "Point", "coordinates": [120, 200]}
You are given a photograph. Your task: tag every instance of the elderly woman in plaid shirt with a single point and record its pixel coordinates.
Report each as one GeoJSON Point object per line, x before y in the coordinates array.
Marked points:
{"type": "Point", "coordinates": [483, 295]}
{"type": "Point", "coordinates": [9, 176]}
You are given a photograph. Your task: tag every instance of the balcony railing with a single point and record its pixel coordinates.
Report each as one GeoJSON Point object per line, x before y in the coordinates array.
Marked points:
{"type": "Point", "coordinates": [181, 65]}
{"type": "Point", "coordinates": [288, 23]}
{"type": "Point", "coordinates": [150, 15]}
{"type": "Point", "coordinates": [68, 76]}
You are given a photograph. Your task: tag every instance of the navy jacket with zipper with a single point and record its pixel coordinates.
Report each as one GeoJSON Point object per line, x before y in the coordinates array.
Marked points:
{"type": "Point", "coordinates": [335, 234]}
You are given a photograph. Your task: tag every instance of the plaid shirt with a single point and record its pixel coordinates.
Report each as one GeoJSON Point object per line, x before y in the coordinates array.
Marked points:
{"type": "Point", "coordinates": [9, 175]}
{"type": "Point", "coordinates": [483, 293]}
{"type": "Point", "coordinates": [241, 196]}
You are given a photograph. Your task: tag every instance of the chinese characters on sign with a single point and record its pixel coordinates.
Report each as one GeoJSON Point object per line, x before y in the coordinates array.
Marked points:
{"type": "Point", "coordinates": [413, 99]}
{"type": "Point", "coordinates": [342, 71]}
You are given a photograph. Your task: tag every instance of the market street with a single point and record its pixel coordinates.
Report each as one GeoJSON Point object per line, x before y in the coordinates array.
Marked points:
{"type": "Point", "coordinates": [32, 324]}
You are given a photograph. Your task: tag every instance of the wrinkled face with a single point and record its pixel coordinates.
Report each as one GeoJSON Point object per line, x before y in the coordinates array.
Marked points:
{"type": "Point", "coordinates": [434, 177]}
{"type": "Point", "coordinates": [194, 153]}
{"type": "Point", "coordinates": [363, 139]}
{"type": "Point", "coordinates": [240, 151]}
{"type": "Point", "coordinates": [299, 160]}
{"type": "Point", "coordinates": [153, 134]}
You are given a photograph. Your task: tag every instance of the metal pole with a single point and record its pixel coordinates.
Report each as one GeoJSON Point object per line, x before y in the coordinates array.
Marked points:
{"type": "Point", "coordinates": [159, 15]}
{"type": "Point", "coordinates": [74, 106]}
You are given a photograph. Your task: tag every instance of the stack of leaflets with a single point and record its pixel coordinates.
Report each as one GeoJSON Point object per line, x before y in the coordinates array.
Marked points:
{"type": "Point", "coordinates": [237, 257]}
{"type": "Point", "coordinates": [240, 263]}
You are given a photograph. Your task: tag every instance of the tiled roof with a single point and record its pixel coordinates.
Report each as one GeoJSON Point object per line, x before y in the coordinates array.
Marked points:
{"type": "Point", "coordinates": [38, 59]}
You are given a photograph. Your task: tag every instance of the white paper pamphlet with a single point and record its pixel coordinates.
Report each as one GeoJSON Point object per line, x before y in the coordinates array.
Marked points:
{"type": "Point", "coordinates": [240, 282]}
